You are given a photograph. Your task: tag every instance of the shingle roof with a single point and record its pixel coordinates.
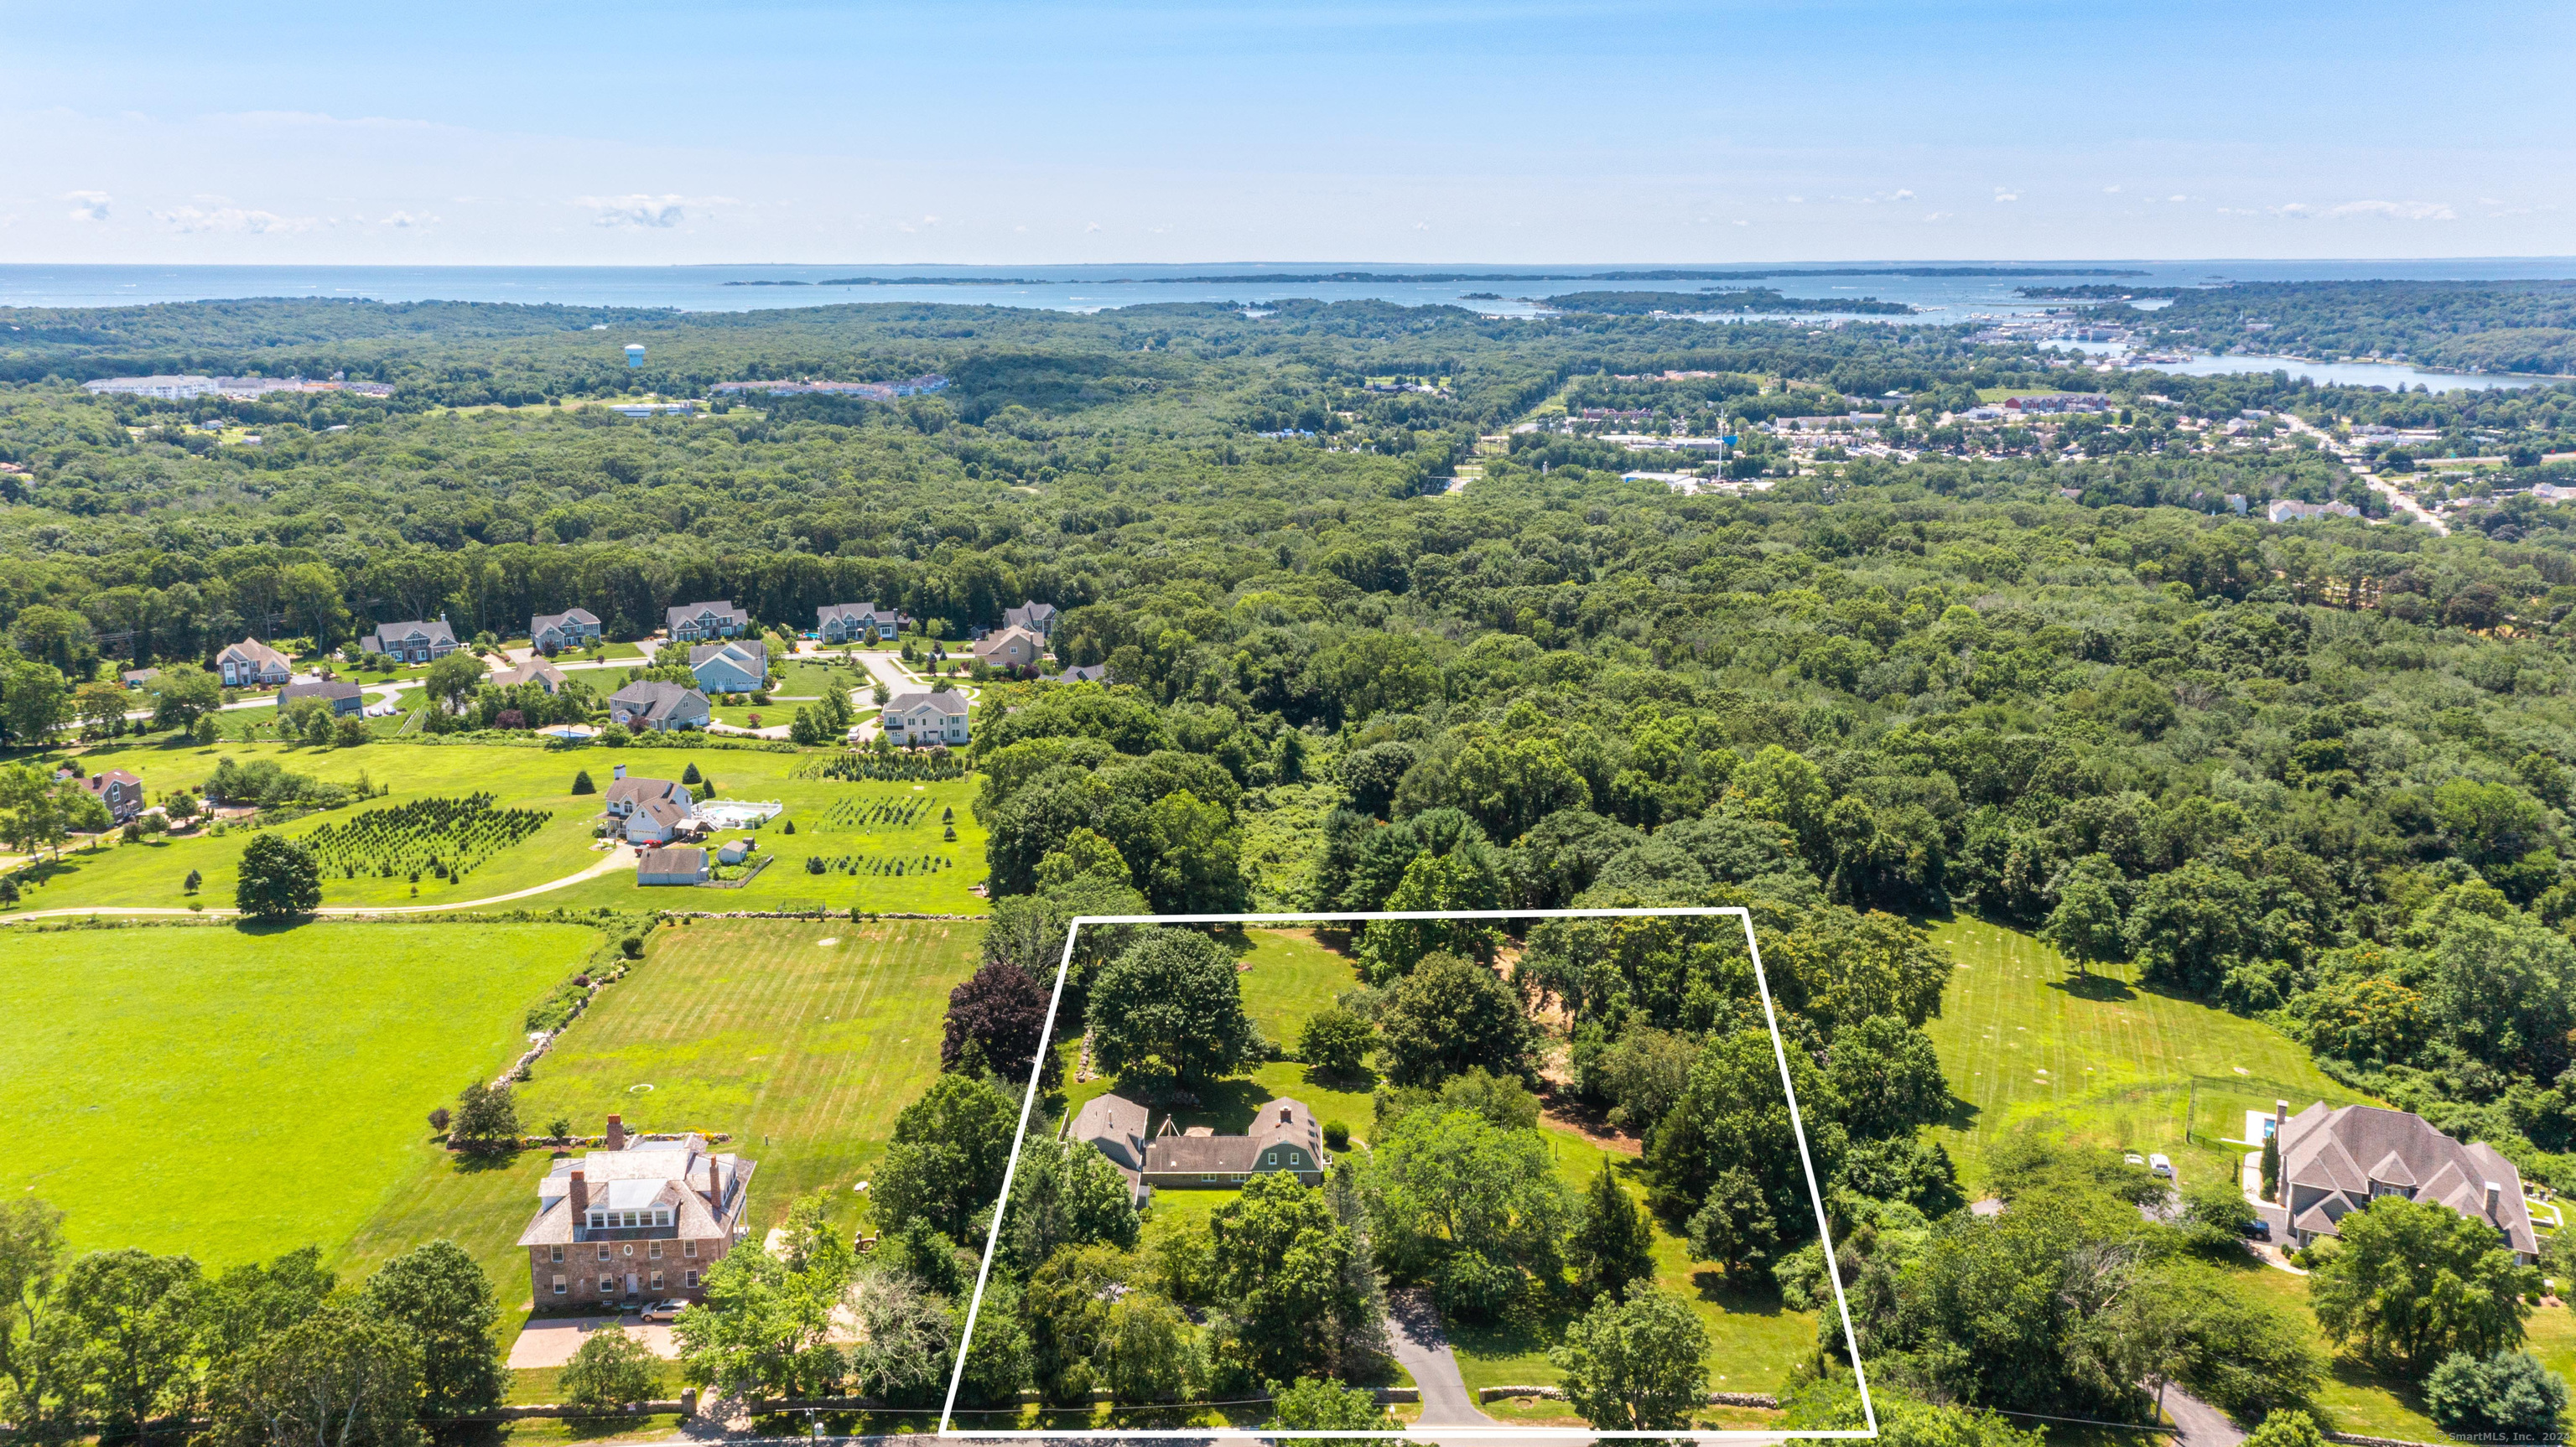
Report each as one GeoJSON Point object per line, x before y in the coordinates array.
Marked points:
{"type": "Point", "coordinates": [544, 621]}
{"type": "Point", "coordinates": [941, 701]}
{"type": "Point", "coordinates": [256, 652]}
{"type": "Point", "coordinates": [721, 608]}
{"type": "Point", "coordinates": [529, 672]}
{"type": "Point", "coordinates": [653, 698]}
{"type": "Point", "coordinates": [2322, 1150]}
{"type": "Point", "coordinates": [851, 611]}
{"type": "Point", "coordinates": [1280, 1122]}
{"type": "Point", "coordinates": [335, 690]}
{"type": "Point", "coordinates": [685, 859]}
{"type": "Point", "coordinates": [434, 631]}
{"type": "Point", "coordinates": [677, 1172]}
{"type": "Point", "coordinates": [1117, 1126]}
{"type": "Point", "coordinates": [751, 655]}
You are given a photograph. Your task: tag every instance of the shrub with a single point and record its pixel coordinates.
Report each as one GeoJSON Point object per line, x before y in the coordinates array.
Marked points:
{"type": "Point", "coordinates": [581, 783]}
{"type": "Point", "coordinates": [787, 828]}
{"type": "Point", "coordinates": [2509, 1395]}
{"type": "Point", "coordinates": [1337, 1136]}
{"type": "Point", "coordinates": [611, 1370]}
{"type": "Point", "coordinates": [632, 947]}
{"type": "Point", "coordinates": [439, 1118]}
{"type": "Point", "coordinates": [690, 775]}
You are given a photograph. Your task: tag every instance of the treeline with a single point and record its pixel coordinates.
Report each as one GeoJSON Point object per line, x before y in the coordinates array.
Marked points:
{"type": "Point", "coordinates": [126, 1344]}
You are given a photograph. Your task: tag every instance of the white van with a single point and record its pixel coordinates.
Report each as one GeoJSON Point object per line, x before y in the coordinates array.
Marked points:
{"type": "Point", "coordinates": [2161, 1166]}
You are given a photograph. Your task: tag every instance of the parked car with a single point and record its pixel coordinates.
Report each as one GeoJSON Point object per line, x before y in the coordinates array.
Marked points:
{"type": "Point", "coordinates": [2162, 1167]}
{"type": "Point", "coordinates": [2259, 1229]}
{"type": "Point", "coordinates": [665, 1310]}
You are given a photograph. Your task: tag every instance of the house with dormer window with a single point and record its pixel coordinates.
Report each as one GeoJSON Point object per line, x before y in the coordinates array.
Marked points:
{"type": "Point", "coordinates": [2337, 1160]}
{"type": "Point", "coordinates": [856, 623]}
{"type": "Point", "coordinates": [641, 1219]}
{"type": "Point", "coordinates": [1284, 1137]}
{"type": "Point", "coordinates": [706, 622]}
{"type": "Point", "coordinates": [411, 642]}
{"type": "Point", "coordinates": [554, 632]}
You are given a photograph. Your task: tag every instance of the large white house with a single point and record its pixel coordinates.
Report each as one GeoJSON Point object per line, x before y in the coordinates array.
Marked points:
{"type": "Point", "coordinates": [920, 720]}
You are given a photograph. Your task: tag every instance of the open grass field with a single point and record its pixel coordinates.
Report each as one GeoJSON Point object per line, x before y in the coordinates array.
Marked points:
{"type": "Point", "coordinates": [800, 1040]}
{"type": "Point", "coordinates": [154, 872]}
{"type": "Point", "coordinates": [2101, 1059]}
{"type": "Point", "coordinates": [232, 1093]}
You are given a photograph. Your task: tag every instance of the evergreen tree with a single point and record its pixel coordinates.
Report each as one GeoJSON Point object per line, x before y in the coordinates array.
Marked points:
{"type": "Point", "coordinates": [1611, 1246]}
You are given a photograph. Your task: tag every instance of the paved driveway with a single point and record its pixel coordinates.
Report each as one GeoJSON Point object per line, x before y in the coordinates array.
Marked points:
{"type": "Point", "coordinates": [550, 1341]}
{"type": "Point", "coordinates": [1423, 1347]}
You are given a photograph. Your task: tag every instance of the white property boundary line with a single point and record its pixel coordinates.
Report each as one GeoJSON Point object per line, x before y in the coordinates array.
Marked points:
{"type": "Point", "coordinates": [1028, 1105]}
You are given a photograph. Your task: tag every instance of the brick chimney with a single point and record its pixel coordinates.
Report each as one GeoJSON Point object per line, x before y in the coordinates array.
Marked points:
{"type": "Point", "coordinates": [715, 1188]}
{"type": "Point", "coordinates": [616, 1133]}
{"type": "Point", "coordinates": [580, 1198]}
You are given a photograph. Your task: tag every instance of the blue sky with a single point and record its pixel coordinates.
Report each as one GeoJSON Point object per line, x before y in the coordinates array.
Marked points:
{"type": "Point", "coordinates": [652, 133]}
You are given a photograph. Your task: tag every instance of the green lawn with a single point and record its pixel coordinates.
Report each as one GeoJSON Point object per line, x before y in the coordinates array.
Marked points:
{"type": "Point", "coordinates": [1288, 975]}
{"type": "Point", "coordinates": [818, 679]}
{"type": "Point", "coordinates": [154, 872]}
{"type": "Point", "coordinates": [802, 1050]}
{"type": "Point", "coordinates": [2101, 1059]}
{"type": "Point", "coordinates": [232, 1093]}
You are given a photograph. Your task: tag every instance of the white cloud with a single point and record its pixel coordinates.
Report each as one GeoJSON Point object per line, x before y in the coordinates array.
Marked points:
{"type": "Point", "coordinates": [2110, 190]}
{"type": "Point", "coordinates": [656, 212]}
{"type": "Point", "coordinates": [407, 220]}
{"type": "Point", "coordinates": [2397, 210]}
{"type": "Point", "coordinates": [2177, 198]}
{"type": "Point", "coordinates": [1904, 195]}
{"type": "Point", "coordinates": [2003, 195]}
{"type": "Point", "coordinates": [189, 220]}
{"type": "Point", "coordinates": [87, 205]}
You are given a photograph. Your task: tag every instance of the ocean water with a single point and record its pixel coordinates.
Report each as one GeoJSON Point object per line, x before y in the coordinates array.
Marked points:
{"type": "Point", "coordinates": [1940, 299]}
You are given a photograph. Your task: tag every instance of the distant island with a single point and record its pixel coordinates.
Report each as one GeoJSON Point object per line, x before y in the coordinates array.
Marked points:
{"type": "Point", "coordinates": [1439, 278]}
{"type": "Point", "coordinates": [1750, 299]}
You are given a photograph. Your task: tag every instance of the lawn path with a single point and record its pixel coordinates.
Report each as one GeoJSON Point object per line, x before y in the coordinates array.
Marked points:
{"type": "Point", "coordinates": [622, 857]}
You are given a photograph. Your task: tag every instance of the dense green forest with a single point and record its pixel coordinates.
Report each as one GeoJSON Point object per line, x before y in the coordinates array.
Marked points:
{"type": "Point", "coordinates": [2318, 774]}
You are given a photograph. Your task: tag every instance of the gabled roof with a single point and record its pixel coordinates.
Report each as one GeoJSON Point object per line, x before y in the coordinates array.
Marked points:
{"type": "Point", "coordinates": [1027, 615]}
{"type": "Point", "coordinates": [666, 812]}
{"type": "Point", "coordinates": [529, 672]}
{"type": "Point", "coordinates": [98, 782]}
{"type": "Point", "coordinates": [1116, 1125]}
{"type": "Point", "coordinates": [749, 654]}
{"type": "Point", "coordinates": [948, 701]}
{"type": "Point", "coordinates": [1281, 1122]}
{"type": "Point", "coordinates": [433, 632]}
{"type": "Point", "coordinates": [993, 644]}
{"type": "Point", "coordinates": [678, 1172]}
{"type": "Point", "coordinates": [544, 621]}
{"type": "Point", "coordinates": [721, 608]}
{"type": "Point", "coordinates": [652, 698]}
{"type": "Point", "coordinates": [855, 612]}
{"type": "Point", "coordinates": [672, 858]}
{"type": "Point", "coordinates": [335, 690]}
{"type": "Point", "coordinates": [253, 651]}
{"type": "Point", "coordinates": [2322, 1151]}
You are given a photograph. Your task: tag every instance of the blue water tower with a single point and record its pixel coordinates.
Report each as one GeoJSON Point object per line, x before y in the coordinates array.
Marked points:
{"type": "Point", "coordinates": [635, 354]}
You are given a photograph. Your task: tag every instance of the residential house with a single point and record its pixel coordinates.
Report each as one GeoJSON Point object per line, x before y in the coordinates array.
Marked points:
{"type": "Point", "coordinates": [1284, 1138]}
{"type": "Point", "coordinates": [741, 666]}
{"type": "Point", "coordinates": [699, 622]}
{"type": "Point", "coordinates": [138, 677]}
{"type": "Point", "coordinates": [1082, 673]}
{"type": "Point", "coordinates": [253, 664]}
{"type": "Point", "coordinates": [2287, 511]}
{"type": "Point", "coordinates": [1038, 618]}
{"type": "Point", "coordinates": [120, 791]}
{"type": "Point", "coordinates": [653, 704]}
{"type": "Point", "coordinates": [343, 696]}
{"type": "Point", "coordinates": [641, 1219]}
{"type": "Point", "coordinates": [537, 671]}
{"type": "Point", "coordinates": [856, 623]}
{"type": "Point", "coordinates": [1115, 1126]}
{"type": "Point", "coordinates": [554, 632]}
{"type": "Point", "coordinates": [1013, 647]}
{"type": "Point", "coordinates": [2337, 1161]}
{"type": "Point", "coordinates": [678, 864]}
{"type": "Point", "coordinates": [653, 811]}
{"type": "Point", "coordinates": [625, 793]}
{"type": "Point", "coordinates": [412, 642]}
{"type": "Point", "coordinates": [920, 720]}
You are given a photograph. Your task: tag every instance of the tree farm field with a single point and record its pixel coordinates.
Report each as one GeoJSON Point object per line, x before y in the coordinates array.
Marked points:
{"type": "Point", "coordinates": [1288, 974]}
{"type": "Point", "coordinates": [800, 1040]}
{"type": "Point", "coordinates": [2104, 1059]}
{"type": "Point", "coordinates": [147, 1071]}
{"type": "Point", "coordinates": [827, 813]}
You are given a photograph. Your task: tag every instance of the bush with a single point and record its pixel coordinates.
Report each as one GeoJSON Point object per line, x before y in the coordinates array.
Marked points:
{"type": "Point", "coordinates": [1336, 1041]}
{"type": "Point", "coordinates": [2509, 1395]}
{"type": "Point", "coordinates": [1337, 1136]}
{"type": "Point", "coordinates": [632, 947]}
{"type": "Point", "coordinates": [1319, 1404]}
{"type": "Point", "coordinates": [439, 1118]}
{"type": "Point", "coordinates": [787, 828]}
{"type": "Point", "coordinates": [581, 783]}
{"type": "Point", "coordinates": [611, 1370]}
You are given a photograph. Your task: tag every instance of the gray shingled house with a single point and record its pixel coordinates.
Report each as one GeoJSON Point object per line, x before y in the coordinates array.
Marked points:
{"type": "Point", "coordinates": [2337, 1161]}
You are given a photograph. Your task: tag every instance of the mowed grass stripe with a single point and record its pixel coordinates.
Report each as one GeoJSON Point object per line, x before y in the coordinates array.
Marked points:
{"type": "Point", "coordinates": [2119, 1056]}
{"type": "Point", "coordinates": [727, 1020]}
